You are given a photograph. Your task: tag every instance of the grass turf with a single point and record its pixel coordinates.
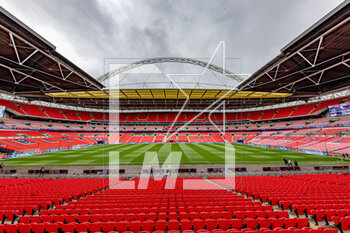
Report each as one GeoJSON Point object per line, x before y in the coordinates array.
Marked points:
{"type": "Point", "coordinates": [198, 153]}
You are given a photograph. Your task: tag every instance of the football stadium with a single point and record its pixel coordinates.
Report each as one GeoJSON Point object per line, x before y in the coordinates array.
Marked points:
{"type": "Point", "coordinates": [176, 144]}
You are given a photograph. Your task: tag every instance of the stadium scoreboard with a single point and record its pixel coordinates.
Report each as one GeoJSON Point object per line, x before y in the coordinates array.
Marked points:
{"type": "Point", "coordinates": [339, 109]}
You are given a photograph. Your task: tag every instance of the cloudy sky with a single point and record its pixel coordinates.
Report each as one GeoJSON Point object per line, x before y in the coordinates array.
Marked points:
{"type": "Point", "coordinates": [88, 31]}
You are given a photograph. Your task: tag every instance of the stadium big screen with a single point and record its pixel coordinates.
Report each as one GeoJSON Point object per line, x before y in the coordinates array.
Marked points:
{"type": "Point", "coordinates": [339, 109]}
{"type": "Point", "coordinates": [2, 111]}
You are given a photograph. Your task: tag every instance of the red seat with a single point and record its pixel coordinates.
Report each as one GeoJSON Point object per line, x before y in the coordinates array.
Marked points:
{"type": "Point", "coordinates": [151, 216]}
{"type": "Point", "coordinates": [272, 214]}
{"type": "Point", "coordinates": [319, 215]}
{"type": "Point", "coordinates": [107, 218]}
{"type": "Point", "coordinates": [70, 227]}
{"type": "Point", "coordinates": [277, 223]}
{"type": "Point", "coordinates": [38, 227]}
{"type": "Point", "coordinates": [135, 226]}
{"type": "Point", "coordinates": [70, 218]}
{"type": "Point", "coordinates": [9, 228]}
{"type": "Point", "coordinates": [236, 223]}
{"type": "Point", "coordinates": [36, 219]}
{"type": "Point", "coordinates": [111, 226]}
{"type": "Point", "coordinates": [95, 227]}
{"type": "Point", "coordinates": [300, 209]}
{"type": "Point", "coordinates": [117, 217]}
{"type": "Point", "coordinates": [251, 223]}
{"type": "Point", "coordinates": [187, 231]}
{"type": "Point", "coordinates": [233, 231]}
{"type": "Point", "coordinates": [173, 225]}
{"type": "Point", "coordinates": [315, 231]}
{"type": "Point", "coordinates": [240, 214]}
{"type": "Point", "coordinates": [11, 214]}
{"type": "Point", "coordinates": [210, 224]}
{"type": "Point", "coordinates": [285, 205]}
{"type": "Point", "coordinates": [285, 231]}
{"type": "Point", "coordinates": [160, 225]}
{"type": "Point", "coordinates": [140, 217]}
{"type": "Point", "coordinates": [302, 222]}
{"type": "Point", "coordinates": [29, 210]}
{"type": "Point", "coordinates": [290, 222]}
{"type": "Point", "coordinates": [162, 216]}
{"type": "Point", "coordinates": [24, 228]}
{"type": "Point", "coordinates": [134, 210]}
{"type": "Point", "coordinates": [198, 224]}
{"type": "Point", "coordinates": [299, 231]}
{"type": "Point", "coordinates": [307, 229]}
{"type": "Point", "coordinates": [262, 230]}
{"type": "Point", "coordinates": [345, 223]}
{"type": "Point", "coordinates": [184, 215]}
{"type": "Point", "coordinates": [250, 214]}
{"type": "Point", "coordinates": [129, 217]}
{"type": "Point", "coordinates": [51, 227]}
{"type": "Point", "coordinates": [94, 212]}
{"type": "Point", "coordinates": [24, 219]}
{"type": "Point", "coordinates": [264, 223]}
{"type": "Point", "coordinates": [226, 214]}
{"type": "Point", "coordinates": [81, 219]}
{"type": "Point", "coordinates": [143, 232]}
{"type": "Point", "coordinates": [341, 213]}
{"type": "Point", "coordinates": [223, 224]}
{"type": "Point", "coordinates": [95, 218]}
{"type": "Point", "coordinates": [249, 231]}
{"type": "Point", "coordinates": [203, 231]}
{"type": "Point", "coordinates": [47, 218]}
{"type": "Point", "coordinates": [215, 215]}
{"type": "Point", "coordinates": [58, 218]}
{"type": "Point", "coordinates": [82, 227]}
{"type": "Point", "coordinates": [330, 231]}
{"type": "Point", "coordinates": [173, 216]}
{"type": "Point", "coordinates": [173, 231]}
{"type": "Point", "coordinates": [147, 225]}
{"type": "Point", "coordinates": [261, 214]}
{"type": "Point", "coordinates": [209, 209]}
{"type": "Point", "coordinates": [194, 215]}
{"type": "Point", "coordinates": [185, 224]}
{"type": "Point", "coordinates": [282, 214]}
{"type": "Point", "coordinates": [330, 214]}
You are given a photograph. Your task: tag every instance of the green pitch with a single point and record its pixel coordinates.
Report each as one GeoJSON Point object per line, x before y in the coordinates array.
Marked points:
{"type": "Point", "coordinates": [133, 154]}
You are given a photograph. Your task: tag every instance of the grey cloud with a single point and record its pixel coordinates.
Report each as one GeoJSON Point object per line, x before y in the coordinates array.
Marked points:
{"type": "Point", "coordinates": [254, 30]}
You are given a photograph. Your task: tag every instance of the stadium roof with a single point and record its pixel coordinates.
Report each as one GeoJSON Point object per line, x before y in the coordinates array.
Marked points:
{"type": "Point", "coordinates": [30, 65]}
{"type": "Point", "coordinates": [315, 63]}
{"type": "Point", "coordinates": [155, 94]}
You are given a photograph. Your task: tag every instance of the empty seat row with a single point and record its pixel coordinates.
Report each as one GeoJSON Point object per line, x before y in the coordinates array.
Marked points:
{"type": "Point", "coordinates": [342, 223]}
{"type": "Point", "coordinates": [112, 227]}
{"type": "Point", "coordinates": [327, 215]}
{"type": "Point", "coordinates": [176, 208]}
{"type": "Point", "coordinates": [171, 215]}
{"type": "Point", "coordinates": [136, 226]}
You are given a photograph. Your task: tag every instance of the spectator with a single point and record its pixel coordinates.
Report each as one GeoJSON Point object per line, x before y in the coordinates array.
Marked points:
{"type": "Point", "coordinates": [42, 170]}
{"type": "Point", "coordinates": [296, 163]}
